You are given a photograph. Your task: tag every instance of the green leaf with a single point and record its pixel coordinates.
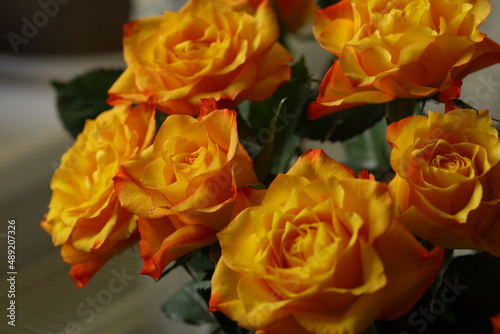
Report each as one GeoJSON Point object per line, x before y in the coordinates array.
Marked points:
{"type": "Point", "coordinates": [283, 112]}
{"type": "Point", "coordinates": [465, 301]}
{"type": "Point", "coordinates": [369, 150]}
{"type": "Point", "coordinates": [84, 98]}
{"type": "Point", "coordinates": [264, 160]}
{"type": "Point", "coordinates": [187, 304]}
{"type": "Point", "coordinates": [179, 262]}
{"type": "Point", "coordinates": [400, 108]}
{"type": "Point", "coordinates": [342, 125]}
{"type": "Point", "coordinates": [160, 117]}
{"type": "Point", "coordinates": [201, 262]}
{"type": "Point", "coordinates": [468, 296]}
{"type": "Point", "coordinates": [480, 273]}
{"type": "Point", "coordinates": [195, 263]}
{"type": "Point", "coordinates": [245, 132]}
{"type": "Point", "coordinates": [463, 105]}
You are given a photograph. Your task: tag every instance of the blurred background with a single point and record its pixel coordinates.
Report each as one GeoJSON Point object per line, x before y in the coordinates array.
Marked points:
{"type": "Point", "coordinates": [49, 40]}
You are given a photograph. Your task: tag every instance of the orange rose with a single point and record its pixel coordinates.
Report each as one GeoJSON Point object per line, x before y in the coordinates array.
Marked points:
{"type": "Point", "coordinates": [400, 49]}
{"type": "Point", "coordinates": [447, 184]}
{"type": "Point", "coordinates": [184, 185]}
{"type": "Point", "coordinates": [84, 215]}
{"type": "Point", "coordinates": [495, 322]}
{"type": "Point", "coordinates": [205, 50]}
{"type": "Point", "coordinates": [321, 254]}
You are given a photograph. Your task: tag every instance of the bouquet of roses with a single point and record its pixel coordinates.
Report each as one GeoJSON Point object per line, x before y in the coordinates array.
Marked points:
{"type": "Point", "coordinates": [198, 159]}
